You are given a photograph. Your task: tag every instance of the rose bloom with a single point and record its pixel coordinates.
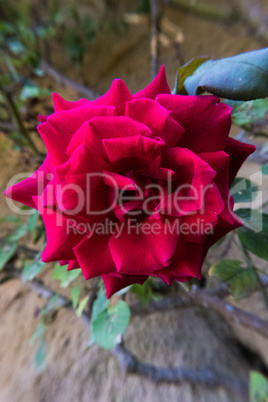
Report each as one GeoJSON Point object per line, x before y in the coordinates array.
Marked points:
{"type": "Point", "coordinates": [168, 158]}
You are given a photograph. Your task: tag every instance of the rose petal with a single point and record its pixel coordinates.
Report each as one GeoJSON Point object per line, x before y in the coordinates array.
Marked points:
{"type": "Point", "coordinates": [186, 261]}
{"type": "Point", "coordinates": [137, 152]}
{"type": "Point", "coordinates": [61, 238]}
{"type": "Point", "coordinates": [157, 118]}
{"type": "Point", "coordinates": [93, 132]}
{"type": "Point", "coordinates": [119, 181]}
{"type": "Point", "coordinates": [206, 121]}
{"type": "Point", "coordinates": [63, 262]}
{"type": "Point", "coordinates": [42, 118]}
{"type": "Point", "coordinates": [142, 249]}
{"type": "Point", "coordinates": [117, 96]}
{"type": "Point", "coordinates": [94, 257]}
{"type": "Point", "coordinates": [227, 220]}
{"type": "Point", "coordinates": [60, 127]}
{"type": "Point", "coordinates": [113, 284]}
{"type": "Point", "coordinates": [81, 190]}
{"type": "Point", "coordinates": [158, 86]}
{"type": "Point", "coordinates": [73, 264]}
{"type": "Point", "coordinates": [33, 185]}
{"type": "Point", "coordinates": [61, 104]}
{"type": "Point", "coordinates": [189, 183]}
{"type": "Point", "coordinates": [238, 151]}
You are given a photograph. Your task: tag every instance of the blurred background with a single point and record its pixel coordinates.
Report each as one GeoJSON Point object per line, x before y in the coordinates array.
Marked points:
{"type": "Point", "coordinates": [77, 48]}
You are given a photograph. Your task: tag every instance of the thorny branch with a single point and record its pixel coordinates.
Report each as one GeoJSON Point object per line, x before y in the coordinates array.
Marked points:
{"type": "Point", "coordinates": [207, 300]}
{"type": "Point", "coordinates": [130, 364]}
{"type": "Point", "coordinates": [196, 297]}
{"type": "Point", "coordinates": [38, 287]}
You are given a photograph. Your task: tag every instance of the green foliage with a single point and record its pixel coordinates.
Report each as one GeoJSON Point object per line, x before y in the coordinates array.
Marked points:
{"type": "Point", "coordinates": [242, 77]}
{"type": "Point", "coordinates": [6, 253]}
{"type": "Point", "coordinates": [247, 113]}
{"type": "Point", "coordinates": [256, 242]}
{"type": "Point", "coordinates": [77, 38]}
{"type": "Point", "coordinates": [31, 90]}
{"type": "Point", "coordinates": [31, 269]}
{"type": "Point", "coordinates": [66, 277]}
{"type": "Point", "coordinates": [243, 190]}
{"type": "Point", "coordinates": [32, 221]}
{"type": "Point", "coordinates": [184, 72]}
{"type": "Point", "coordinates": [143, 7]}
{"type": "Point", "coordinates": [39, 332]}
{"type": "Point", "coordinates": [54, 301]}
{"type": "Point", "coordinates": [11, 241]}
{"type": "Point", "coordinates": [264, 169]}
{"type": "Point", "coordinates": [40, 357]}
{"type": "Point", "coordinates": [252, 218]}
{"type": "Point", "coordinates": [100, 304]}
{"type": "Point", "coordinates": [145, 292]}
{"type": "Point", "coordinates": [75, 293]}
{"type": "Point", "coordinates": [19, 233]}
{"type": "Point", "coordinates": [81, 306]}
{"type": "Point", "coordinates": [110, 324]}
{"type": "Point", "coordinates": [242, 281]}
{"type": "Point", "coordinates": [258, 387]}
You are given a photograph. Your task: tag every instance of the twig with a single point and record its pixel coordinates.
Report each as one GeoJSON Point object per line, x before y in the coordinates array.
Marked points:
{"type": "Point", "coordinates": [208, 300]}
{"type": "Point", "coordinates": [63, 80]}
{"type": "Point", "coordinates": [154, 39]}
{"type": "Point", "coordinates": [13, 108]}
{"type": "Point", "coordinates": [130, 364]}
{"type": "Point", "coordinates": [38, 287]}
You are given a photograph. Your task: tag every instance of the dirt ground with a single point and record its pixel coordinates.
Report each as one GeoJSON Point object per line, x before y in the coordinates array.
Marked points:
{"type": "Point", "coordinates": [188, 337]}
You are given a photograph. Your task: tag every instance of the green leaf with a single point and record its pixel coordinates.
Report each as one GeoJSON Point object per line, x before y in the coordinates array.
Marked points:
{"type": "Point", "coordinates": [82, 306]}
{"type": "Point", "coordinates": [258, 387]}
{"type": "Point", "coordinates": [19, 233]}
{"type": "Point", "coordinates": [32, 221]}
{"type": "Point", "coordinates": [243, 190]}
{"type": "Point", "coordinates": [184, 72]}
{"type": "Point", "coordinates": [40, 357]}
{"type": "Point", "coordinates": [145, 292]}
{"type": "Point", "coordinates": [39, 332]}
{"type": "Point", "coordinates": [6, 252]}
{"type": "Point", "coordinates": [186, 285]}
{"type": "Point", "coordinates": [244, 113]}
{"type": "Point", "coordinates": [242, 281]}
{"type": "Point", "coordinates": [256, 242]}
{"type": "Point", "coordinates": [242, 77]}
{"type": "Point", "coordinates": [16, 47]}
{"type": "Point", "coordinates": [32, 269]}
{"type": "Point", "coordinates": [99, 305]}
{"type": "Point", "coordinates": [75, 293]}
{"type": "Point", "coordinates": [11, 218]}
{"type": "Point", "coordinates": [252, 218]}
{"type": "Point", "coordinates": [66, 277]}
{"type": "Point", "coordinates": [33, 91]}
{"type": "Point", "coordinates": [110, 324]}
{"type": "Point", "coordinates": [53, 302]}
{"type": "Point", "coordinates": [264, 169]}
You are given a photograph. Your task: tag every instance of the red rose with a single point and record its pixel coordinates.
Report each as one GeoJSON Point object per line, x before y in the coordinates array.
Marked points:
{"type": "Point", "coordinates": [135, 185]}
